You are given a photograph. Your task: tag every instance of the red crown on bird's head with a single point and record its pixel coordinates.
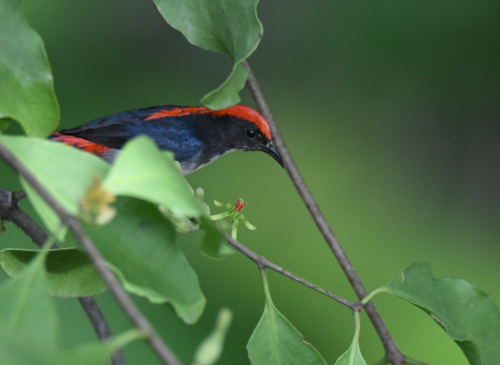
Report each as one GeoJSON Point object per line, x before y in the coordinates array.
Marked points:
{"type": "Point", "coordinates": [238, 111]}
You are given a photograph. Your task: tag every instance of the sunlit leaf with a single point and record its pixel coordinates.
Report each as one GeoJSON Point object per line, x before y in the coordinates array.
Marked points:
{"type": "Point", "coordinates": [139, 244]}
{"type": "Point", "coordinates": [225, 26]}
{"type": "Point", "coordinates": [69, 271]}
{"type": "Point", "coordinates": [26, 87]}
{"type": "Point", "coordinates": [210, 350]}
{"type": "Point", "coordinates": [470, 316]}
{"type": "Point", "coordinates": [275, 341]}
{"type": "Point", "coordinates": [142, 171]}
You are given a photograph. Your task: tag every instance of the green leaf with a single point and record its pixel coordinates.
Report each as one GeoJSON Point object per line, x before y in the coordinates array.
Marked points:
{"type": "Point", "coordinates": [225, 26]}
{"type": "Point", "coordinates": [210, 350]}
{"type": "Point", "coordinates": [275, 341]}
{"type": "Point", "coordinates": [142, 171]}
{"type": "Point", "coordinates": [27, 87]}
{"type": "Point", "coordinates": [95, 353]}
{"type": "Point", "coordinates": [470, 316]}
{"type": "Point", "coordinates": [214, 244]}
{"type": "Point", "coordinates": [29, 325]}
{"type": "Point", "coordinates": [27, 311]}
{"type": "Point", "coordinates": [64, 171]}
{"type": "Point", "coordinates": [139, 245]}
{"type": "Point", "coordinates": [4, 124]}
{"type": "Point", "coordinates": [69, 271]}
{"type": "Point", "coordinates": [226, 95]}
{"type": "Point", "coordinates": [353, 355]}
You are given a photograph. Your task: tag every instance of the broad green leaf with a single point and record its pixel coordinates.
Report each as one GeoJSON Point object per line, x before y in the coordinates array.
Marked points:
{"type": "Point", "coordinates": [139, 245]}
{"type": "Point", "coordinates": [27, 311]}
{"type": "Point", "coordinates": [470, 316]}
{"type": "Point", "coordinates": [64, 171]}
{"type": "Point", "coordinates": [210, 350]}
{"type": "Point", "coordinates": [142, 171]}
{"type": "Point", "coordinates": [69, 271]}
{"type": "Point", "coordinates": [214, 244]}
{"type": "Point", "coordinates": [4, 124]}
{"type": "Point", "coordinates": [226, 95]}
{"type": "Point", "coordinates": [275, 341]}
{"type": "Point", "coordinates": [225, 26]}
{"type": "Point", "coordinates": [353, 355]}
{"type": "Point", "coordinates": [27, 87]}
{"type": "Point", "coordinates": [29, 325]}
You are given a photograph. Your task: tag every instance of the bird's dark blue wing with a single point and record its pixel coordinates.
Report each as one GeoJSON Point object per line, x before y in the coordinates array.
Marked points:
{"type": "Point", "coordinates": [173, 134]}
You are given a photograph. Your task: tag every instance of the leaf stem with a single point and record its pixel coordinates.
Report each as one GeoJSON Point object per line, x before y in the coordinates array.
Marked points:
{"type": "Point", "coordinates": [369, 297]}
{"type": "Point", "coordinates": [392, 351]}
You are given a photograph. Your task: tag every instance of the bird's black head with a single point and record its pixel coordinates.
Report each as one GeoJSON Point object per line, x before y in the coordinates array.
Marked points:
{"type": "Point", "coordinates": [240, 128]}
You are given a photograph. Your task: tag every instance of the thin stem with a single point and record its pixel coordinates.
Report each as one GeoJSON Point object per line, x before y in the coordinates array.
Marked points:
{"type": "Point", "coordinates": [11, 212]}
{"type": "Point", "coordinates": [392, 351]}
{"type": "Point", "coordinates": [262, 262]}
{"type": "Point", "coordinates": [371, 295]}
{"type": "Point", "coordinates": [128, 306]}
{"type": "Point", "coordinates": [265, 284]}
{"type": "Point", "coordinates": [357, 330]}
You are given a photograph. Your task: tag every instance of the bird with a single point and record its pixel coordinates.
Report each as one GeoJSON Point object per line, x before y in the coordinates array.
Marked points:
{"type": "Point", "coordinates": [195, 135]}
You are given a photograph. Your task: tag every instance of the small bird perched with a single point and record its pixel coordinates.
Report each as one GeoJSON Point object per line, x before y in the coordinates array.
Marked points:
{"type": "Point", "coordinates": [196, 135]}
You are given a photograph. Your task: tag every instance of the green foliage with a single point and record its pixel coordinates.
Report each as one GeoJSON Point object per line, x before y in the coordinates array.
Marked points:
{"type": "Point", "coordinates": [26, 87]}
{"type": "Point", "coordinates": [470, 316]}
{"type": "Point", "coordinates": [70, 273]}
{"type": "Point", "coordinates": [143, 172]}
{"type": "Point", "coordinates": [4, 124]}
{"type": "Point", "coordinates": [210, 349]}
{"type": "Point", "coordinates": [276, 341]}
{"type": "Point", "coordinates": [29, 325]}
{"type": "Point", "coordinates": [353, 355]}
{"type": "Point", "coordinates": [64, 171]}
{"type": "Point", "coordinates": [225, 26]}
{"type": "Point", "coordinates": [139, 245]}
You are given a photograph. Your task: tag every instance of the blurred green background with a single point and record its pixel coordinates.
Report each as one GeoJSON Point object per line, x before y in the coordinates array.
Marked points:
{"type": "Point", "coordinates": [390, 110]}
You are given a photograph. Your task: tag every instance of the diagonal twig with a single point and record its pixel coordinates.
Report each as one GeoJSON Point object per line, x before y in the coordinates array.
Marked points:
{"type": "Point", "coordinates": [262, 262]}
{"type": "Point", "coordinates": [393, 353]}
{"type": "Point", "coordinates": [128, 306]}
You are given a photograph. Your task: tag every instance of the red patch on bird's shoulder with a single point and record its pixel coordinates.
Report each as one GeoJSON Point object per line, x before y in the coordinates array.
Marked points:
{"type": "Point", "coordinates": [83, 144]}
{"type": "Point", "coordinates": [238, 111]}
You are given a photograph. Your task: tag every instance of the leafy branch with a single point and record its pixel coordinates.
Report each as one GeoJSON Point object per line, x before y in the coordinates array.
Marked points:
{"type": "Point", "coordinates": [128, 306]}
{"type": "Point", "coordinates": [10, 211]}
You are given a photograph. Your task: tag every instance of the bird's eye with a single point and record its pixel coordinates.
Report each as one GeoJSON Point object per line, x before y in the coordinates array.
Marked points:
{"type": "Point", "coordinates": [251, 133]}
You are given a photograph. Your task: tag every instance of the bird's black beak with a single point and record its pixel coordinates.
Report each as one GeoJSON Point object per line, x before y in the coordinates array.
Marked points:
{"type": "Point", "coordinates": [272, 151]}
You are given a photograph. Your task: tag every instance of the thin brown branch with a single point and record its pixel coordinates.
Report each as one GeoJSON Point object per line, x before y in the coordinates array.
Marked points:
{"type": "Point", "coordinates": [128, 306]}
{"type": "Point", "coordinates": [11, 212]}
{"type": "Point", "coordinates": [262, 262]}
{"type": "Point", "coordinates": [392, 351]}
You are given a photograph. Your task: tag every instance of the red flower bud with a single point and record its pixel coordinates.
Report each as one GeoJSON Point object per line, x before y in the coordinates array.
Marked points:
{"type": "Point", "coordinates": [239, 205]}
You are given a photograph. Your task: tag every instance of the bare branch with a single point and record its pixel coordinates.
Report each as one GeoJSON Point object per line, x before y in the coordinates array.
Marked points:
{"type": "Point", "coordinates": [128, 306]}
{"type": "Point", "coordinates": [392, 351]}
{"type": "Point", "coordinates": [262, 262]}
